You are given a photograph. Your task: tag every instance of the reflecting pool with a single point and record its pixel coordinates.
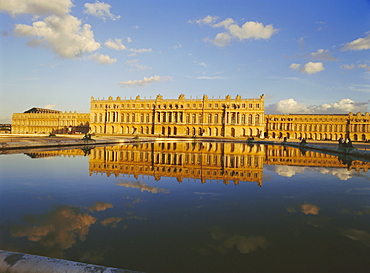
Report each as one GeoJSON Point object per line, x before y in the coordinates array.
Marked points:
{"type": "Point", "coordinates": [189, 207]}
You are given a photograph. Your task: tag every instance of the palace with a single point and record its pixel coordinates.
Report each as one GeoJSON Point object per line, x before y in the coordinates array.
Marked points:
{"type": "Point", "coordinates": [179, 117]}
{"type": "Point", "coordinates": [319, 127]}
{"type": "Point", "coordinates": [46, 121]}
{"type": "Point", "coordinates": [193, 117]}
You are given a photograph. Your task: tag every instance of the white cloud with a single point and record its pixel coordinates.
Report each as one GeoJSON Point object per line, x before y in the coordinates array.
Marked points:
{"type": "Point", "coordinates": [366, 66]}
{"type": "Point", "coordinates": [177, 46]}
{"type": "Point", "coordinates": [100, 10]}
{"type": "Point", "coordinates": [210, 78]}
{"type": "Point", "coordinates": [137, 66]}
{"type": "Point", "coordinates": [206, 20]}
{"type": "Point", "coordinates": [347, 66]}
{"type": "Point", "coordinates": [144, 81]}
{"type": "Point", "coordinates": [36, 7]}
{"type": "Point", "coordinates": [49, 106]}
{"type": "Point", "coordinates": [294, 66]}
{"type": "Point", "coordinates": [116, 44]}
{"type": "Point", "coordinates": [309, 68]}
{"type": "Point", "coordinates": [360, 87]}
{"type": "Point", "coordinates": [225, 23]}
{"type": "Point", "coordinates": [291, 106]}
{"type": "Point", "coordinates": [322, 55]}
{"type": "Point", "coordinates": [358, 44]}
{"type": "Point", "coordinates": [288, 106]}
{"type": "Point", "coordinates": [250, 30]}
{"type": "Point", "coordinates": [64, 35]}
{"type": "Point", "coordinates": [222, 39]}
{"type": "Point", "coordinates": [102, 59]}
{"type": "Point", "coordinates": [142, 50]}
{"type": "Point", "coordinates": [312, 68]}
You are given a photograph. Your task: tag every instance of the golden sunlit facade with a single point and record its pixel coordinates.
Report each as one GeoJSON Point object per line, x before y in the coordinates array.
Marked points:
{"type": "Point", "coordinates": [46, 121]}
{"type": "Point", "coordinates": [207, 117]}
{"type": "Point", "coordinates": [319, 127]}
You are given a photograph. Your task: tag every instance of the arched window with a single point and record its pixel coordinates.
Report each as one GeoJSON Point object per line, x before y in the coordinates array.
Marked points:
{"type": "Point", "coordinates": [200, 119]}
{"type": "Point", "coordinates": [209, 118]}
{"type": "Point", "coordinates": [216, 118]}
{"type": "Point", "coordinates": [243, 119]}
{"type": "Point", "coordinates": [193, 118]}
{"type": "Point", "coordinates": [187, 118]}
{"type": "Point", "coordinates": [249, 119]}
{"type": "Point", "coordinates": [133, 118]}
{"type": "Point", "coordinates": [257, 119]}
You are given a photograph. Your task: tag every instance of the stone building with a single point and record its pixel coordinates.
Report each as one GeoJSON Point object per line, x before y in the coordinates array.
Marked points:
{"type": "Point", "coordinates": [319, 127]}
{"type": "Point", "coordinates": [208, 117]}
{"type": "Point", "coordinates": [46, 121]}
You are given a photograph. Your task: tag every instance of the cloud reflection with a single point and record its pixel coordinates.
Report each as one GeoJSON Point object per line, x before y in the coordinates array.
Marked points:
{"type": "Point", "coordinates": [58, 230]}
{"type": "Point", "coordinates": [112, 222]}
{"type": "Point", "coordinates": [100, 206]}
{"type": "Point", "coordinates": [290, 171]}
{"type": "Point", "coordinates": [305, 208]}
{"type": "Point", "coordinates": [140, 185]}
{"type": "Point", "coordinates": [357, 235]}
{"type": "Point", "coordinates": [227, 242]}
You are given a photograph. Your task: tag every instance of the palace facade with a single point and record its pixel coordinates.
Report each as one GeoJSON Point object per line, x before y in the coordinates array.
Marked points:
{"type": "Point", "coordinates": [207, 117]}
{"type": "Point", "coordinates": [46, 121]}
{"type": "Point", "coordinates": [319, 127]}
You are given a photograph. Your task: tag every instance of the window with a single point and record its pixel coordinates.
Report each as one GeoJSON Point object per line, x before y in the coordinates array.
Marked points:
{"type": "Point", "coordinates": [216, 118]}
{"type": "Point", "coordinates": [257, 119]}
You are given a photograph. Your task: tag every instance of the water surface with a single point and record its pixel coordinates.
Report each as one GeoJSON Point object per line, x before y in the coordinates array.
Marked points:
{"type": "Point", "coordinates": [189, 207]}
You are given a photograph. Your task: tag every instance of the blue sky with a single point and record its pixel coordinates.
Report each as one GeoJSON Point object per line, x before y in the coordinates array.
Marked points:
{"type": "Point", "coordinates": [305, 56]}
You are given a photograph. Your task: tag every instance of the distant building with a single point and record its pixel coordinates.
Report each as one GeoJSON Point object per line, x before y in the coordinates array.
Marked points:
{"type": "Point", "coordinates": [46, 121]}
{"type": "Point", "coordinates": [319, 127]}
{"type": "Point", "coordinates": [207, 117]}
{"type": "Point", "coordinates": [5, 128]}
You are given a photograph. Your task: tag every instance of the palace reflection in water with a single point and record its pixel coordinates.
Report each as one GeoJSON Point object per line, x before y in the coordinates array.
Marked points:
{"type": "Point", "coordinates": [204, 161]}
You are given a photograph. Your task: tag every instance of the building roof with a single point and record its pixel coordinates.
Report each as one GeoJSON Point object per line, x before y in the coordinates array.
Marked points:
{"type": "Point", "coordinates": [42, 111]}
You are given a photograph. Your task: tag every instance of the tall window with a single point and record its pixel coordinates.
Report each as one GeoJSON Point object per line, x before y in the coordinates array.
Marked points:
{"type": "Point", "coordinates": [257, 119]}
{"type": "Point", "coordinates": [209, 118]}
{"type": "Point", "coordinates": [216, 118]}
{"type": "Point", "coordinates": [249, 119]}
